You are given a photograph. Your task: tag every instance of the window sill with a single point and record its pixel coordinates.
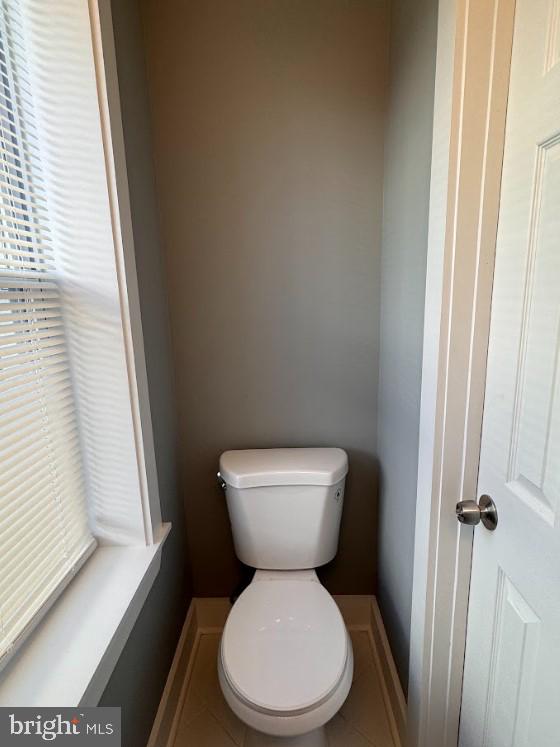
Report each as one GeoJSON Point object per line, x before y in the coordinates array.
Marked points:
{"type": "Point", "coordinates": [69, 658]}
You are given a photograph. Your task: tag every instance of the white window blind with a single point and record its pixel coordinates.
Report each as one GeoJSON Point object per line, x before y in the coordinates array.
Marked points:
{"type": "Point", "coordinates": [44, 533]}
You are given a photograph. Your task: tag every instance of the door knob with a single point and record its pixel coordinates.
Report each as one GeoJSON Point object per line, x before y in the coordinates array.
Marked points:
{"type": "Point", "coordinates": [472, 513]}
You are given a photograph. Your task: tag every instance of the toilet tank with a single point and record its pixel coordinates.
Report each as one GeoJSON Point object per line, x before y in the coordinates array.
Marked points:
{"type": "Point", "coordinates": [284, 505]}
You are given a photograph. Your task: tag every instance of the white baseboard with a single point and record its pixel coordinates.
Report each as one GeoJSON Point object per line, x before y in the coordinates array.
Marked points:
{"type": "Point", "coordinates": [396, 701]}
{"type": "Point", "coordinates": [208, 615]}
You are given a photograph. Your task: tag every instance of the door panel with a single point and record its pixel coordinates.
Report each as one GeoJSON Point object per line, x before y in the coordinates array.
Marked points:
{"type": "Point", "coordinates": [515, 640]}
{"type": "Point", "coordinates": [511, 691]}
{"type": "Point", "coordinates": [534, 471]}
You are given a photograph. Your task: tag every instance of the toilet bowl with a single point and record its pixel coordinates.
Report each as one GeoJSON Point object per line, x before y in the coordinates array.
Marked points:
{"type": "Point", "coordinates": [285, 661]}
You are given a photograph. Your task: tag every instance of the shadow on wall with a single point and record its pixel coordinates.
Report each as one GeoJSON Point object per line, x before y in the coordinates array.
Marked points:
{"type": "Point", "coordinates": [358, 535]}
{"type": "Point", "coordinates": [395, 605]}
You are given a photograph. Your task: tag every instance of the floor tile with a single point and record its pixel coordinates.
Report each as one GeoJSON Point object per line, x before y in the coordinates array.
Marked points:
{"type": "Point", "coordinates": [191, 709]}
{"type": "Point", "coordinates": [204, 695]}
{"type": "Point", "coordinates": [224, 715]}
{"type": "Point", "coordinates": [363, 655]}
{"type": "Point", "coordinates": [205, 666]}
{"type": "Point", "coordinates": [207, 721]}
{"type": "Point", "coordinates": [201, 678]}
{"type": "Point", "coordinates": [341, 734]}
{"type": "Point", "coordinates": [203, 731]}
{"type": "Point", "coordinates": [314, 739]}
{"type": "Point", "coordinates": [364, 710]}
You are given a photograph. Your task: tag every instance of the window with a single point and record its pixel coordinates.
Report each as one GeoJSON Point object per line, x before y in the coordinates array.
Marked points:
{"type": "Point", "coordinates": [77, 464]}
{"type": "Point", "coordinates": [44, 533]}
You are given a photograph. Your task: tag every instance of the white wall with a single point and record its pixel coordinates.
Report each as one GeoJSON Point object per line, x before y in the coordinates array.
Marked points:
{"type": "Point", "coordinates": [403, 267]}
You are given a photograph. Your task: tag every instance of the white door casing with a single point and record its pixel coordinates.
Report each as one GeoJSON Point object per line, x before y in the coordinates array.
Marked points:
{"type": "Point", "coordinates": [472, 75]}
{"type": "Point", "coordinates": [511, 689]}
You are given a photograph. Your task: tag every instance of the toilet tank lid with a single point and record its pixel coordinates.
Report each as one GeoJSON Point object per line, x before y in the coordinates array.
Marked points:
{"type": "Point", "coordinates": [251, 468]}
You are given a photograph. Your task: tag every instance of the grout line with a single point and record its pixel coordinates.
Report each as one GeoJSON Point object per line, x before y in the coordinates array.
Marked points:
{"type": "Point", "coordinates": [222, 727]}
{"type": "Point", "coordinates": [352, 727]}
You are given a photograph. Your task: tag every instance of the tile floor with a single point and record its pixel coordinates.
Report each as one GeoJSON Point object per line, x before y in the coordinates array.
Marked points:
{"type": "Point", "coordinates": [207, 721]}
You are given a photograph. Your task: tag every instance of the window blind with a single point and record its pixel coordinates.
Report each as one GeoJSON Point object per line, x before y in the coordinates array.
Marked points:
{"type": "Point", "coordinates": [44, 533]}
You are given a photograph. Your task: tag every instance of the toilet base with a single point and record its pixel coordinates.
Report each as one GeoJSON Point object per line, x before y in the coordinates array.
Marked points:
{"type": "Point", "coordinates": [315, 738]}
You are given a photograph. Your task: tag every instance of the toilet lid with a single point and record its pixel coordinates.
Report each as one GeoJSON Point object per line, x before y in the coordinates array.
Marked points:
{"type": "Point", "coordinates": [284, 646]}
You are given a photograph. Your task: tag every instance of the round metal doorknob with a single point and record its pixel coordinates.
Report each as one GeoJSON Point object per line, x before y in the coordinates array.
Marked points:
{"type": "Point", "coordinates": [472, 513]}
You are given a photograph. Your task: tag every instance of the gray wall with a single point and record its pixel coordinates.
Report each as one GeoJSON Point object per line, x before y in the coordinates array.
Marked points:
{"type": "Point", "coordinates": [268, 143]}
{"type": "Point", "coordinates": [405, 223]}
{"type": "Point", "coordinates": [137, 682]}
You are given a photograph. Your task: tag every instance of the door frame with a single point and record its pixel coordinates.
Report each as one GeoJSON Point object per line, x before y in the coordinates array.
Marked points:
{"type": "Point", "coordinates": [471, 87]}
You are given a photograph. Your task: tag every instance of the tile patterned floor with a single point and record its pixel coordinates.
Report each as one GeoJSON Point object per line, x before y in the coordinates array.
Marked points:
{"type": "Point", "coordinates": [207, 721]}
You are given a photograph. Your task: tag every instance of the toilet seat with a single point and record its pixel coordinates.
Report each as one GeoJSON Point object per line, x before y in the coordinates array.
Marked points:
{"type": "Point", "coordinates": [284, 648]}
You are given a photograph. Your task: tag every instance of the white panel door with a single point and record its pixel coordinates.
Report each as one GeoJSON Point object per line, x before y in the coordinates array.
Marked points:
{"type": "Point", "coordinates": [511, 691]}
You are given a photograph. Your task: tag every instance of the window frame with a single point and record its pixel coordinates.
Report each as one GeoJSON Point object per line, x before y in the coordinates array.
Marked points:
{"type": "Point", "coordinates": [115, 163]}
{"type": "Point", "coordinates": [52, 667]}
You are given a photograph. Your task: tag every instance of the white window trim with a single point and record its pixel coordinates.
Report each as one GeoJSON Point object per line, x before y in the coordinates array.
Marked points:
{"type": "Point", "coordinates": [121, 216]}
{"type": "Point", "coordinates": [69, 658]}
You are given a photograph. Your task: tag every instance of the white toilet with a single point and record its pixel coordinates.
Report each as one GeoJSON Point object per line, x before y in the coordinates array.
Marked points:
{"type": "Point", "coordinates": [285, 662]}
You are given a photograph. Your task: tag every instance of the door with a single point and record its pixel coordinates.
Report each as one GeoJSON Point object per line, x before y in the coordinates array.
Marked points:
{"type": "Point", "coordinates": [511, 688]}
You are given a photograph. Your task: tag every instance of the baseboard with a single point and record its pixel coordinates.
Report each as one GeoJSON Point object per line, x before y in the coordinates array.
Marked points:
{"type": "Point", "coordinates": [389, 675]}
{"type": "Point", "coordinates": [169, 703]}
{"type": "Point", "coordinates": [208, 615]}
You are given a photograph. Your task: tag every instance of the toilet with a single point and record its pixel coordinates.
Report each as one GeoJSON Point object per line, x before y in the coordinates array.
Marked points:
{"type": "Point", "coordinates": [285, 661]}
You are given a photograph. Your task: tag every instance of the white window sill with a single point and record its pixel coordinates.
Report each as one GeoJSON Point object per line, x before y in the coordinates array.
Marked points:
{"type": "Point", "coordinates": [68, 659]}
